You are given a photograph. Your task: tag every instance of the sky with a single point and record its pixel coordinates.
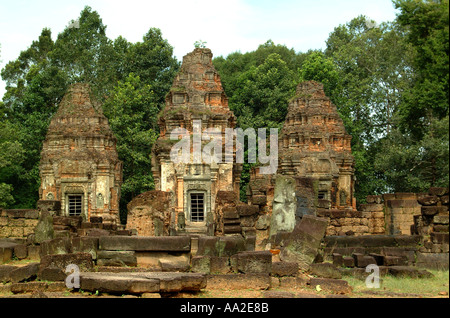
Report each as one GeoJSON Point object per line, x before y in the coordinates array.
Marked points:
{"type": "Point", "coordinates": [226, 26]}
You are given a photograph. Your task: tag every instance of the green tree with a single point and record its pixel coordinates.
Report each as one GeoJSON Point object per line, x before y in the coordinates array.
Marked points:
{"type": "Point", "coordinates": [415, 166]}
{"type": "Point", "coordinates": [237, 63]}
{"type": "Point", "coordinates": [373, 66]}
{"type": "Point", "coordinates": [318, 67]}
{"type": "Point", "coordinates": [132, 111]}
{"type": "Point", "coordinates": [262, 97]}
{"type": "Point", "coordinates": [427, 30]}
{"type": "Point", "coordinates": [152, 60]}
{"type": "Point", "coordinates": [11, 157]}
{"type": "Point", "coordinates": [415, 155]}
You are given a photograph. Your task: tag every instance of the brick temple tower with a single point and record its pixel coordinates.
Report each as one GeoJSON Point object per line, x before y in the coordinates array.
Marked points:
{"type": "Point", "coordinates": [314, 144]}
{"type": "Point", "coordinates": [79, 163]}
{"type": "Point", "coordinates": [196, 96]}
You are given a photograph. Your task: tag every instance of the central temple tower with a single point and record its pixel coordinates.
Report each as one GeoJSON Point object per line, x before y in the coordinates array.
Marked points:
{"type": "Point", "coordinates": [196, 98]}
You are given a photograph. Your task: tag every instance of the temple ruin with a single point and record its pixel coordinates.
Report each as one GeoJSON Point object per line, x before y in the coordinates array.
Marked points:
{"type": "Point", "coordinates": [79, 163]}
{"type": "Point", "coordinates": [196, 97]}
{"type": "Point", "coordinates": [300, 228]}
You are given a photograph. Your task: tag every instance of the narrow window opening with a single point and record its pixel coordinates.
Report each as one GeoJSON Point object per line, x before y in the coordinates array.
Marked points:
{"type": "Point", "coordinates": [197, 207]}
{"type": "Point", "coordinates": [75, 206]}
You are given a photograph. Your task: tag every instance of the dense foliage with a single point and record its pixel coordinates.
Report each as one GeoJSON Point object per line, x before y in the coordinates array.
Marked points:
{"type": "Point", "coordinates": [390, 83]}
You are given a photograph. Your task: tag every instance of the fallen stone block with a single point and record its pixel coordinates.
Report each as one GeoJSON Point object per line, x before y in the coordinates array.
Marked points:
{"type": "Point", "coordinates": [33, 252]}
{"type": "Point", "coordinates": [407, 271]}
{"type": "Point", "coordinates": [23, 273]}
{"type": "Point", "coordinates": [297, 282]}
{"type": "Point", "coordinates": [21, 251]}
{"type": "Point", "coordinates": [201, 264]}
{"type": "Point", "coordinates": [437, 261]}
{"type": "Point", "coordinates": [252, 262]}
{"type": "Point", "coordinates": [338, 259]}
{"type": "Point", "coordinates": [29, 287]}
{"type": "Point", "coordinates": [6, 254]}
{"type": "Point", "coordinates": [439, 237]}
{"type": "Point", "coordinates": [278, 294]}
{"type": "Point", "coordinates": [434, 210]}
{"type": "Point", "coordinates": [406, 255]}
{"type": "Point", "coordinates": [55, 246]}
{"type": "Point", "coordinates": [174, 264]}
{"type": "Point", "coordinates": [82, 260]}
{"type": "Point", "coordinates": [247, 210]}
{"type": "Point", "coordinates": [239, 281]}
{"type": "Point", "coordinates": [4, 272]}
{"type": "Point", "coordinates": [348, 261]}
{"type": "Point", "coordinates": [304, 242]}
{"type": "Point", "coordinates": [363, 261]}
{"type": "Point", "coordinates": [392, 260]}
{"type": "Point", "coordinates": [52, 274]}
{"type": "Point", "coordinates": [141, 282]}
{"type": "Point", "coordinates": [85, 245]}
{"type": "Point", "coordinates": [122, 258]}
{"type": "Point", "coordinates": [325, 270]}
{"type": "Point", "coordinates": [220, 246]}
{"type": "Point", "coordinates": [428, 199]}
{"type": "Point", "coordinates": [136, 243]}
{"type": "Point", "coordinates": [441, 228]}
{"type": "Point", "coordinates": [439, 191]}
{"type": "Point", "coordinates": [259, 200]}
{"type": "Point", "coordinates": [281, 269]}
{"type": "Point", "coordinates": [117, 283]}
{"type": "Point", "coordinates": [176, 282]}
{"type": "Point", "coordinates": [220, 265]}
{"type": "Point", "coordinates": [441, 219]}
{"type": "Point", "coordinates": [336, 286]}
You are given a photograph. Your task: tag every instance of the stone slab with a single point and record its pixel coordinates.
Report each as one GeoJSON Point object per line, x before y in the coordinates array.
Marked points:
{"type": "Point", "coordinates": [325, 270]}
{"type": "Point", "coordinates": [152, 244]}
{"type": "Point", "coordinates": [23, 273]}
{"type": "Point", "coordinates": [252, 262]}
{"type": "Point", "coordinates": [117, 283]}
{"type": "Point", "coordinates": [4, 272]}
{"type": "Point", "coordinates": [239, 281]}
{"type": "Point", "coordinates": [284, 269]}
{"type": "Point", "coordinates": [121, 258]}
{"type": "Point", "coordinates": [141, 282]}
{"type": "Point", "coordinates": [337, 286]}
{"type": "Point", "coordinates": [303, 244]}
{"type": "Point", "coordinates": [439, 261]}
{"type": "Point", "coordinates": [373, 241]}
{"type": "Point", "coordinates": [61, 261]}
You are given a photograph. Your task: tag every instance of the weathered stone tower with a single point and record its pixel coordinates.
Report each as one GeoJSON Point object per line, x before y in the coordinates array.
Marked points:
{"type": "Point", "coordinates": [79, 162]}
{"type": "Point", "coordinates": [315, 145]}
{"type": "Point", "coordinates": [315, 170]}
{"type": "Point", "coordinates": [196, 97]}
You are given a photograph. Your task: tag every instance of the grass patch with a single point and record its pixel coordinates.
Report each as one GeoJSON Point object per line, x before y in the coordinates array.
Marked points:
{"type": "Point", "coordinates": [435, 286]}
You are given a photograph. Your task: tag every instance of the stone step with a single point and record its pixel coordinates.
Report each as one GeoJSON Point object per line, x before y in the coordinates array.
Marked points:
{"type": "Point", "coordinates": [141, 282]}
